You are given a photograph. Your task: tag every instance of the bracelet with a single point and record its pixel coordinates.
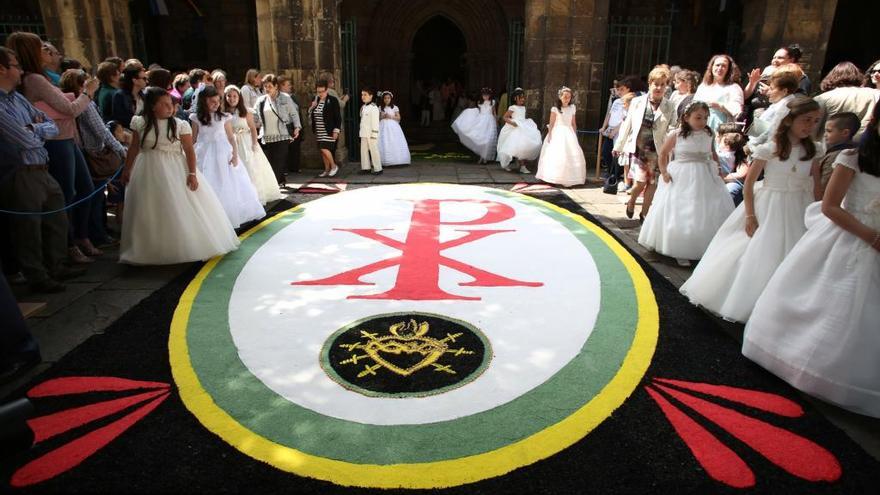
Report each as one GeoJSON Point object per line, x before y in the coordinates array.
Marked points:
{"type": "Point", "coordinates": [751, 216]}
{"type": "Point", "coordinates": [191, 173]}
{"type": "Point", "coordinates": [876, 240]}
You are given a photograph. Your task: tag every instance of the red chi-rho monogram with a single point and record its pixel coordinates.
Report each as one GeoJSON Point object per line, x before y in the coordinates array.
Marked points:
{"type": "Point", "coordinates": [420, 257]}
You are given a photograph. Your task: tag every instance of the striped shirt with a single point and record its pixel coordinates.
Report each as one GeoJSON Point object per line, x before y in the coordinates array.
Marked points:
{"type": "Point", "coordinates": [320, 128]}
{"type": "Point", "coordinates": [20, 127]}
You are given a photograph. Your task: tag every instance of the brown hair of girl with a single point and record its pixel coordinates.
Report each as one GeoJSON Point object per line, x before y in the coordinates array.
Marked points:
{"type": "Point", "coordinates": [798, 106]}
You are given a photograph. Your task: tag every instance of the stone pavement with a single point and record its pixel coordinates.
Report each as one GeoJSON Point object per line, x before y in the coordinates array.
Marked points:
{"type": "Point", "coordinates": [91, 303]}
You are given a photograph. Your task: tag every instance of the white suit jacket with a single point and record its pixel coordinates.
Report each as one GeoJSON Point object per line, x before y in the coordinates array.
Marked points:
{"type": "Point", "coordinates": [664, 116]}
{"type": "Point", "coordinates": [369, 121]}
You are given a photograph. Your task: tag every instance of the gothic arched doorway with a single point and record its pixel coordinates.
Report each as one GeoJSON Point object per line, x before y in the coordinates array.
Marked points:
{"type": "Point", "coordinates": [438, 50]}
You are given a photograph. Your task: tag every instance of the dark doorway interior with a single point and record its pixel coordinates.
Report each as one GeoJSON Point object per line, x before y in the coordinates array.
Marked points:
{"type": "Point", "coordinates": [438, 51]}
{"type": "Point", "coordinates": [853, 35]}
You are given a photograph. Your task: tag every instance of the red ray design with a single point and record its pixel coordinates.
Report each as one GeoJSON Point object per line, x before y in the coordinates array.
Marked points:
{"type": "Point", "coordinates": [719, 461]}
{"type": "Point", "coordinates": [72, 454]}
{"type": "Point", "coordinates": [759, 400]}
{"type": "Point", "coordinates": [48, 426]}
{"type": "Point", "coordinates": [793, 453]}
{"type": "Point", "coordinates": [83, 384]}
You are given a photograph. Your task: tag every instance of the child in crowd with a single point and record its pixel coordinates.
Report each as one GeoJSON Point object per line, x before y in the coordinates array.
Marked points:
{"type": "Point", "coordinates": [392, 143]}
{"type": "Point", "coordinates": [520, 137]}
{"type": "Point", "coordinates": [815, 325]}
{"type": "Point", "coordinates": [624, 158]}
{"type": "Point", "coordinates": [756, 237]}
{"type": "Point", "coordinates": [686, 82]}
{"type": "Point", "coordinates": [691, 200]}
{"type": "Point", "coordinates": [245, 131]}
{"type": "Point", "coordinates": [562, 159]}
{"type": "Point", "coordinates": [839, 131]}
{"type": "Point", "coordinates": [218, 160]}
{"type": "Point", "coordinates": [371, 159]}
{"type": "Point", "coordinates": [732, 158]}
{"type": "Point", "coordinates": [477, 128]}
{"type": "Point", "coordinates": [172, 215]}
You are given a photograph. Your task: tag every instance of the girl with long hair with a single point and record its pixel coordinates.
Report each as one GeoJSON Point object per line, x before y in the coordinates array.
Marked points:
{"type": "Point", "coordinates": [815, 325]}
{"type": "Point", "coordinates": [692, 201]}
{"type": "Point", "coordinates": [172, 215]}
{"type": "Point", "coordinates": [258, 167]}
{"type": "Point", "coordinates": [756, 237]}
{"type": "Point", "coordinates": [217, 158]}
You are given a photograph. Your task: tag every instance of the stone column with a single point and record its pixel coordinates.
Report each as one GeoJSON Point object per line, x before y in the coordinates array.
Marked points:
{"type": "Point", "coordinates": [88, 31]}
{"type": "Point", "coordinates": [768, 26]}
{"type": "Point", "coordinates": [565, 45]}
{"type": "Point", "coordinates": [301, 39]}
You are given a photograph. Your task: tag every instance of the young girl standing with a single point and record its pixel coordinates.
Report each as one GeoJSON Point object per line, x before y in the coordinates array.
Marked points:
{"type": "Point", "coordinates": [217, 158]}
{"type": "Point", "coordinates": [815, 325]}
{"type": "Point", "coordinates": [245, 131]}
{"type": "Point", "coordinates": [171, 213]}
{"type": "Point", "coordinates": [520, 137]}
{"type": "Point", "coordinates": [562, 159]}
{"type": "Point", "coordinates": [756, 237]}
{"type": "Point", "coordinates": [691, 201]}
{"type": "Point", "coordinates": [392, 143]}
{"type": "Point", "coordinates": [477, 128]}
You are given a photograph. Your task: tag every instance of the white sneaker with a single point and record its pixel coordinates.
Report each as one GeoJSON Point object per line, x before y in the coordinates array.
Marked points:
{"type": "Point", "coordinates": [524, 170]}
{"type": "Point", "coordinates": [333, 171]}
{"type": "Point", "coordinates": [323, 174]}
{"type": "Point", "coordinates": [621, 186]}
{"type": "Point", "coordinates": [682, 262]}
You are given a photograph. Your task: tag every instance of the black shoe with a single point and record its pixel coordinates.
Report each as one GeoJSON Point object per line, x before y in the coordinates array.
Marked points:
{"type": "Point", "coordinates": [377, 173]}
{"type": "Point", "coordinates": [363, 172]}
{"type": "Point", "coordinates": [68, 272]}
{"type": "Point", "coordinates": [48, 286]}
{"type": "Point", "coordinates": [19, 366]}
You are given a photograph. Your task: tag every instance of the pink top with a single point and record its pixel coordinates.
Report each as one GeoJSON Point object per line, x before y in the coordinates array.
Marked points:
{"type": "Point", "coordinates": [38, 88]}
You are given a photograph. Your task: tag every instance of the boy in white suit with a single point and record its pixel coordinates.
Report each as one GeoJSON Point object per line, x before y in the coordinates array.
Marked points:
{"type": "Point", "coordinates": [369, 133]}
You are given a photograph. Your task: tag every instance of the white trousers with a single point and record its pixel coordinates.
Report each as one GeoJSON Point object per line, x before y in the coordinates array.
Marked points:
{"type": "Point", "coordinates": [370, 154]}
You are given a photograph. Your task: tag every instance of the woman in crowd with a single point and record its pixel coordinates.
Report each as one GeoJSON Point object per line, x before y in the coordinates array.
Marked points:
{"type": "Point", "coordinates": [327, 123]}
{"type": "Point", "coordinates": [66, 161]}
{"type": "Point", "coordinates": [277, 118]}
{"type": "Point", "coordinates": [252, 89]}
{"type": "Point", "coordinates": [842, 91]}
{"type": "Point", "coordinates": [127, 101]}
{"type": "Point", "coordinates": [720, 91]}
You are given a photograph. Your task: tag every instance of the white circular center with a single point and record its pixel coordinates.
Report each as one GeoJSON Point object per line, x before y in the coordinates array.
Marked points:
{"type": "Point", "coordinates": [279, 328]}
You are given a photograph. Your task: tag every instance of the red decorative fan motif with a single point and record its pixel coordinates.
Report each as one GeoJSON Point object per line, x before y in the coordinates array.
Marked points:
{"type": "Point", "coordinates": [793, 453]}
{"type": "Point", "coordinates": [71, 454]}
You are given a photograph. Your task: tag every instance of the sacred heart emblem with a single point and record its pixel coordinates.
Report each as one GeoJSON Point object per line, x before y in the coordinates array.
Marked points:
{"type": "Point", "coordinates": [417, 354]}
{"type": "Point", "coordinates": [408, 341]}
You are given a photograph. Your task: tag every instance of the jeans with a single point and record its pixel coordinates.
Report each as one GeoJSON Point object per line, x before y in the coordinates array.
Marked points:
{"type": "Point", "coordinates": [608, 159]}
{"type": "Point", "coordinates": [736, 192]}
{"type": "Point", "coordinates": [68, 166]}
{"type": "Point", "coordinates": [16, 341]}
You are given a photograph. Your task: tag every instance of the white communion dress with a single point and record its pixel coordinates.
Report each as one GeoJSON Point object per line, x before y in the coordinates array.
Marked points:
{"type": "Point", "coordinates": [816, 324]}
{"type": "Point", "coordinates": [688, 211]}
{"type": "Point", "coordinates": [393, 147]}
{"type": "Point", "coordinates": [477, 130]}
{"type": "Point", "coordinates": [736, 268]}
{"type": "Point", "coordinates": [166, 222]}
{"type": "Point", "coordinates": [231, 183]}
{"type": "Point", "coordinates": [562, 159]}
{"type": "Point", "coordinates": [258, 167]}
{"type": "Point", "coordinates": [522, 141]}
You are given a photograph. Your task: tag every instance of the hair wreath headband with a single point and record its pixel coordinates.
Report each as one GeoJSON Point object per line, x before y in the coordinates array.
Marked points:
{"type": "Point", "coordinates": [563, 90]}
{"type": "Point", "coordinates": [383, 93]}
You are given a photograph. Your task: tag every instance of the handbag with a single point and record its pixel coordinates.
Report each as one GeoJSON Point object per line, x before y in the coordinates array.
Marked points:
{"type": "Point", "coordinates": [103, 163]}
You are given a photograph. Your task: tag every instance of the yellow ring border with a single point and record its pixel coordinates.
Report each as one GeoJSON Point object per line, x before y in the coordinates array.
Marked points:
{"type": "Point", "coordinates": [439, 474]}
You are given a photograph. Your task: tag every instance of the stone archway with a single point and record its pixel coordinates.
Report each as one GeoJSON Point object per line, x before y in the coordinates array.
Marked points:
{"type": "Point", "coordinates": [387, 30]}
